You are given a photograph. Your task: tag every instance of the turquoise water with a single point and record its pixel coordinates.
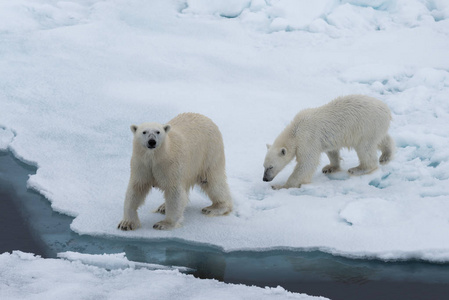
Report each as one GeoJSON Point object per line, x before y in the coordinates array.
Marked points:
{"type": "Point", "coordinates": [29, 224]}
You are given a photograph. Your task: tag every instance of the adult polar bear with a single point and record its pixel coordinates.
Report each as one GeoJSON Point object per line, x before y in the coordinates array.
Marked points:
{"type": "Point", "coordinates": [174, 157]}
{"type": "Point", "coordinates": [354, 121]}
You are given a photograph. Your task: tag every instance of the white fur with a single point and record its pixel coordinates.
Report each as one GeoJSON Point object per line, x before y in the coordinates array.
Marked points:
{"type": "Point", "coordinates": [175, 157]}
{"type": "Point", "coordinates": [356, 121]}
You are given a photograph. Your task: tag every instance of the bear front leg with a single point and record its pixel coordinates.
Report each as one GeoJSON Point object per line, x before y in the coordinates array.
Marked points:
{"type": "Point", "coordinates": [175, 202]}
{"type": "Point", "coordinates": [135, 196]}
{"type": "Point", "coordinates": [294, 181]}
{"type": "Point", "coordinates": [302, 173]}
{"type": "Point", "coordinates": [218, 191]}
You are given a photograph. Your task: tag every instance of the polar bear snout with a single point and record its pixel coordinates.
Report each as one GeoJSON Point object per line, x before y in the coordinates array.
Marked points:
{"type": "Point", "coordinates": [152, 143]}
{"type": "Point", "coordinates": [268, 174]}
{"type": "Point", "coordinates": [266, 179]}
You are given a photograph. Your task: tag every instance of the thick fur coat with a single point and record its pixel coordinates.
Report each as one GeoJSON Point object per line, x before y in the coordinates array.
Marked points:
{"type": "Point", "coordinates": [174, 157]}
{"type": "Point", "coordinates": [356, 122]}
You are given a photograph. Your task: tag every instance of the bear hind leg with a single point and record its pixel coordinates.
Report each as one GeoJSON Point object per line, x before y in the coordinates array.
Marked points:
{"type": "Point", "coordinates": [218, 191]}
{"type": "Point", "coordinates": [334, 166]}
{"type": "Point", "coordinates": [387, 148]}
{"type": "Point", "coordinates": [368, 160]}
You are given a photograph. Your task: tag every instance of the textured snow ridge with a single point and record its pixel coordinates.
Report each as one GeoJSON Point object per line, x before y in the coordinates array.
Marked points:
{"type": "Point", "coordinates": [114, 261]}
{"type": "Point", "coordinates": [327, 16]}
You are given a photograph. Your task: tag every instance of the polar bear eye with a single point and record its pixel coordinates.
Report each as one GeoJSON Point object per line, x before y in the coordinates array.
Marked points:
{"type": "Point", "coordinates": [157, 132]}
{"type": "Point", "coordinates": [144, 132]}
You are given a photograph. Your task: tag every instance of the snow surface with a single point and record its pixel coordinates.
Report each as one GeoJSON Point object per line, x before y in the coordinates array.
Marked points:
{"type": "Point", "coordinates": [6, 137]}
{"type": "Point", "coordinates": [74, 75]}
{"type": "Point", "coordinates": [26, 276]}
{"type": "Point", "coordinates": [114, 261]}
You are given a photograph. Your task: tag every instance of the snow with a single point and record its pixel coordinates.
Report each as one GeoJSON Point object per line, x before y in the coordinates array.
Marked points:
{"type": "Point", "coordinates": [75, 75]}
{"type": "Point", "coordinates": [114, 261]}
{"type": "Point", "coordinates": [6, 137]}
{"type": "Point", "coordinates": [26, 276]}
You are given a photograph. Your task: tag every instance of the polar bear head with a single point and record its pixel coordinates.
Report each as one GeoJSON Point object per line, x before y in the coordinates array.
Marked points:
{"type": "Point", "coordinates": [150, 135]}
{"type": "Point", "coordinates": [275, 160]}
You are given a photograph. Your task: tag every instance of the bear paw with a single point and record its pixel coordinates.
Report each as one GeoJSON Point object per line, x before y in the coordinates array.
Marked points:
{"type": "Point", "coordinates": [330, 169]}
{"type": "Point", "coordinates": [277, 187]}
{"type": "Point", "coordinates": [360, 171]}
{"type": "Point", "coordinates": [285, 186]}
{"type": "Point", "coordinates": [161, 209]}
{"type": "Point", "coordinates": [128, 225]}
{"type": "Point", "coordinates": [216, 210]}
{"type": "Point", "coordinates": [163, 225]}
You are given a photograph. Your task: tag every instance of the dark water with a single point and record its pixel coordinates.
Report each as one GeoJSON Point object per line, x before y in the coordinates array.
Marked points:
{"type": "Point", "coordinates": [29, 224]}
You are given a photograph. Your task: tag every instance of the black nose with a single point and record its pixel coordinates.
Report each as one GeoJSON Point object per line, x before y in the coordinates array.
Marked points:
{"type": "Point", "coordinates": [266, 177]}
{"type": "Point", "coordinates": [151, 144]}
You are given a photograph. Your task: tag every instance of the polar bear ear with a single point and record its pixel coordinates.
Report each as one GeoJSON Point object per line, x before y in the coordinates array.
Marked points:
{"type": "Point", "coordinates": [268, 146]}
{"type": "Point", "coordinates": [167, 128]}
{"type": "Point", "coordinates": [283, 151]}
{"type": "Point", "coordinates": [133, 128]}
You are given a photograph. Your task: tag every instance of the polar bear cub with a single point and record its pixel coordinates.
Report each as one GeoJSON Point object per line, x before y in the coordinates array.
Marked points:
{"type": "Point", "coordinates": [174, 157]}
{"type": "Point", "coordinates": [355, 121]}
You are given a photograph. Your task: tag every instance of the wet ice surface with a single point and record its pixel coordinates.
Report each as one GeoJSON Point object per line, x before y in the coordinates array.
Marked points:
{"type": "Point", "coordinates": [311, 272]}
{"type": "Point", "coordinates": [75, 75]}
